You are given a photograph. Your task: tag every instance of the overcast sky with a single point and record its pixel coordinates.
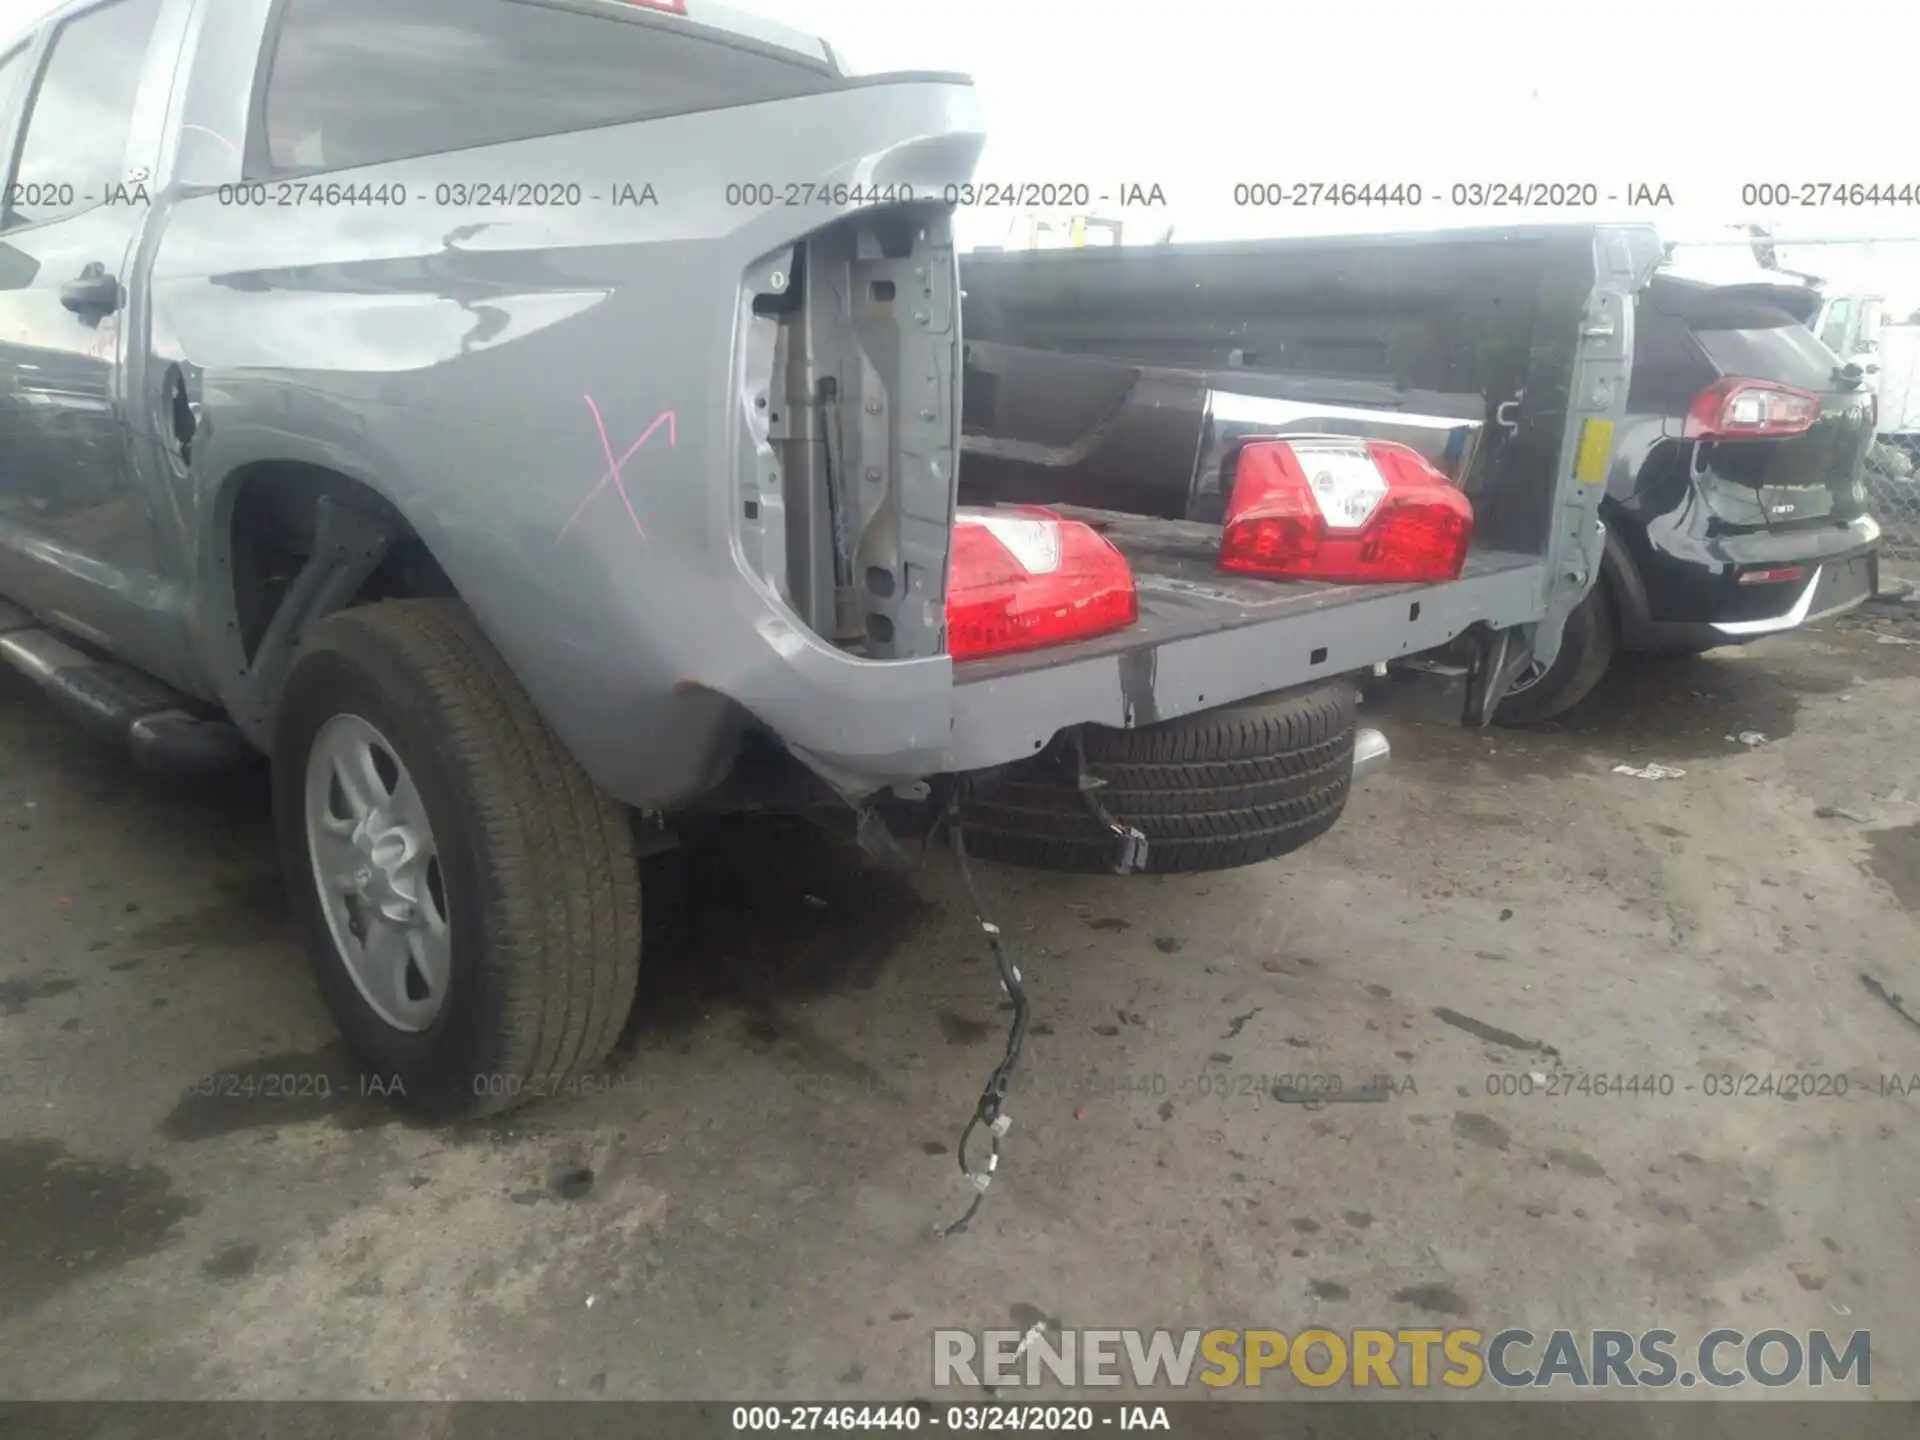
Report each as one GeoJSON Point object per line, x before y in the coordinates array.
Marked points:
{"type": "Point", "coordinates": [1201, 94]}
{"type": "Point", "coordinates": [1196, 95]}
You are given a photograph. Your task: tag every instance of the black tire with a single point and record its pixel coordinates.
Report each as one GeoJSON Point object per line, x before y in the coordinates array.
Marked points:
{"type": "Point", "coordinates": [1223, 788]}
{"type": "Point", "coordinates": [1587, 648]}
{"type": "Point", "coordinates": [540, 879]}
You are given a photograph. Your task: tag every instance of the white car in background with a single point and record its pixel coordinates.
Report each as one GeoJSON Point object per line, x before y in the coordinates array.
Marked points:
{"type": "Point", "coordinates": [1858, 328]}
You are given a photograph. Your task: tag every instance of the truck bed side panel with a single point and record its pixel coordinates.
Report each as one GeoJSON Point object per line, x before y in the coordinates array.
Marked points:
{"type": "Point", "coordinates": [563, 403]}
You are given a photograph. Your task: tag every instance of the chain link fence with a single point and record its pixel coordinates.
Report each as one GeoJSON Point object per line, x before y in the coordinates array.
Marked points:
{"type": "Point", "coordinates": [1893, 490]}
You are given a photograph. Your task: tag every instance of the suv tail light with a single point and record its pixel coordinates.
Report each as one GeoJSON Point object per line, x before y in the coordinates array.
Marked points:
{"type": "Point", "coordinates": [1734, 409]}
{"type": "Point", "coordinates": [1329, 507]}
{"type": "Point", "coordinates": [1023, 578]}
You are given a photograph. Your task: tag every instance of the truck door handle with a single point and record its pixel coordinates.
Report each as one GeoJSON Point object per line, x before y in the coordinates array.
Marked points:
{"type": "Point", "coordinates": [94, 292]}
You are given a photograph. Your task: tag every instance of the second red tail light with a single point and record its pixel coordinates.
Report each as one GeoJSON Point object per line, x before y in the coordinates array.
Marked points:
{"type": "Point", "coordinates": [1334, 507]}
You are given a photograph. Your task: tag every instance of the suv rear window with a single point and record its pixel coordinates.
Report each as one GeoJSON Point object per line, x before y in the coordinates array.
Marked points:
{"type": "Point", "coordinates": [359, 82]}
{"type": "Point", "coordinates": [1753, 329]}
{"type": "Point", "coordinates": [1787, 352]}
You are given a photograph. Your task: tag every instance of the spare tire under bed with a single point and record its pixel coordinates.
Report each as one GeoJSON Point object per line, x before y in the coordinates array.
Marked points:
{"type": "Point", "coordinates": [1214, 790]}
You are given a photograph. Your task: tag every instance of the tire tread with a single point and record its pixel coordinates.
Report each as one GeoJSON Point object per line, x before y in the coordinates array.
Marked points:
{"type": "Point", "coordinates": [1212, 791]}
{"type": "Point", "coordinates": [562, 872]}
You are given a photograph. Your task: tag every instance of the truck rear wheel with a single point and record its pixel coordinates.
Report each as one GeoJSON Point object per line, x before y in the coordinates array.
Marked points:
{"type": "Point", "coordinates": [1211, 791]}
{"type": "Point", "coordinates": [471, 900]}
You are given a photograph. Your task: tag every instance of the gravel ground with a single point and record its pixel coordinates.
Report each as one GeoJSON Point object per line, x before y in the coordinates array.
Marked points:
{"type": "Point", "coordinates": [742, 1209]}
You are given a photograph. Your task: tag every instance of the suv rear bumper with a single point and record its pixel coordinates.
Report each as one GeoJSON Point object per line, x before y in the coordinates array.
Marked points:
{"type": "Point", "coordinates": [1686, 592]}
{"type": "Point", "coordinates": [1832, 589]}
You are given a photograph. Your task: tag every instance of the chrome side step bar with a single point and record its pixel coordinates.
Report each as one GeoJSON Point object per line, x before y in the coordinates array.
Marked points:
{"type": "Point", "coordinates": [119, 703]}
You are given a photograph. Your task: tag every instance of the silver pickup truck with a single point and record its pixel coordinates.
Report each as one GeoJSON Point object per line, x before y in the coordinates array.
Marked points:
{"type": "Point", "coordinates": [530, 421]}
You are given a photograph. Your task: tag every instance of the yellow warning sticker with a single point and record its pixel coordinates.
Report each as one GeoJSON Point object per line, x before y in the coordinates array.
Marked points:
{"type": "Point", "coordinates": [1596, 449]}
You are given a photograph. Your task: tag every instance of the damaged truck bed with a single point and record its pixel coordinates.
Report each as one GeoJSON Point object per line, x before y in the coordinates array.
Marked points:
{"type": "Point", "coordinates": [1207, 638]}
{"type": "Point", "coordinates": [516, 533]}
{"type": "Point", "coordinates": [1119, 385]}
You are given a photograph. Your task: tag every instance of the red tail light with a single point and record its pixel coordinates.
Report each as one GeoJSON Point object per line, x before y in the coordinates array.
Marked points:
{"type": "Point", "coordinates": [1023, 578]}
{"type": "Point", "coordinates": [1327, 507]}
{"type": "Point", "coordinates": [1736, 409]}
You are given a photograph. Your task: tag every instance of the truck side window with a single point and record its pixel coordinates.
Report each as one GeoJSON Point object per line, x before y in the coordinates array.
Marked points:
{"type": "Point", "coordinates": [79, 118]}
{"type": "Point", "coordinates": [359, 82]}
{"type": "Point", "coordinates": [1834, 333]}
{"type": "Point", "coordinates": [1873, 314]}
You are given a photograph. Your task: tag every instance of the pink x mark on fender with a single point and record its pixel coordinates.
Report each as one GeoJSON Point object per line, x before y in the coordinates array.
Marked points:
{"type": "Point", "coordinates": [614, 467]}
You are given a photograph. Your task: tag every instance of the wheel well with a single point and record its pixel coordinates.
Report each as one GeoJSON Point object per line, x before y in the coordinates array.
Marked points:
{"type": "Point", "coordinates": [1625, 591]}
{"type": "Point", "coordinates": [1607, 582]}
{"type": "Point", "coordinates": [270, 535]}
